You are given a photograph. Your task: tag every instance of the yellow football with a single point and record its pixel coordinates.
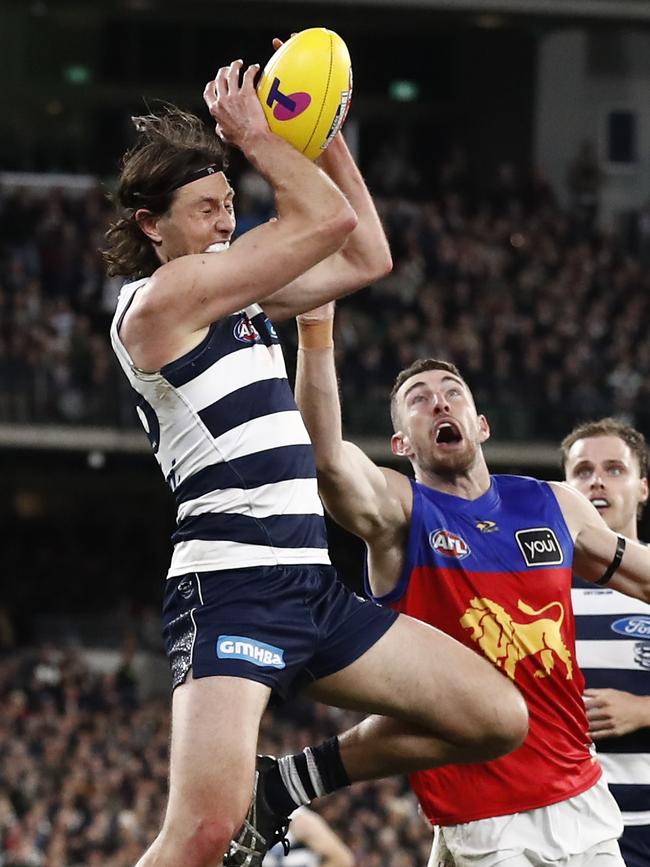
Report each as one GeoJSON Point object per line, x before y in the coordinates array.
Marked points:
{"type": "Point", "coordinates": [305, 89]}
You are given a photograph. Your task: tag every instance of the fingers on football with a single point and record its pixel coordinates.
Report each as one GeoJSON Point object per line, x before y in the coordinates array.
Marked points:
{"type": "Point", "coordinates": [233, 75]}
{"type": "Point", "coordinates": [221, 82]}
{"type": "Point", "coordinates": [210, 94]}
{"type": "Point", "coordinates": [249, 76]}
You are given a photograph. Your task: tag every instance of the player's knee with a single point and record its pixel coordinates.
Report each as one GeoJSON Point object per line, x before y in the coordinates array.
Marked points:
{"type": "Point", "coordinates": [506, 725]}
{"type": "Point", "coordinates": [210, 840]}
{"type": "Point", "coordinates": [207, 839]}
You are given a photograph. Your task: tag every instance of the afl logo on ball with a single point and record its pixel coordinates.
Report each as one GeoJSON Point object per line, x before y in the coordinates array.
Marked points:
{"type": "Point", "coordinates": [245, 331]}
{"type": "Point", "coordinates": [448, 544]}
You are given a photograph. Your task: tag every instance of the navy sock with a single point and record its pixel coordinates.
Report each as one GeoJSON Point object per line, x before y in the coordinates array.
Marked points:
{"type": "Point", "coordinates": [300, 778]}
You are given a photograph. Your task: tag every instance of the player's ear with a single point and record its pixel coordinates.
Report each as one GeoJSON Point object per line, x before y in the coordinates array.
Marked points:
{"type": "Point", "coordinates": [643, 490]}
{"type": "Point", "coordinates": [400, 445]}
{"type": "Point", "coordinates": [148, 224]}
{"type": "Point", "coordinates": [483, 429]}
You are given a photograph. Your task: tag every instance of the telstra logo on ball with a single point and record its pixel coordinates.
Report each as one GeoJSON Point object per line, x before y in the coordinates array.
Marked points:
{"type": "Point", "coordinates": [288, 105]}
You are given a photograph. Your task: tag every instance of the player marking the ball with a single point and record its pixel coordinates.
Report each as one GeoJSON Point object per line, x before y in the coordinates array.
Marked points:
{"type": "Point", "coordinates": [252, 605]}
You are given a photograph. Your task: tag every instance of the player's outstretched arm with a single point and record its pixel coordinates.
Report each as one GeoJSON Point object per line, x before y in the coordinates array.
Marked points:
{"type": "Point", "coordinates": [596, 545]}
{"type": "Point", "coordinates": [364, 257]}
{"type": "Point", "coordinates": [372, 502]}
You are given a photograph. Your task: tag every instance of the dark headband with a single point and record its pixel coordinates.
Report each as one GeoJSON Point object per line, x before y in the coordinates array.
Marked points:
{"type": "Point", "coordinates": [212, 169]}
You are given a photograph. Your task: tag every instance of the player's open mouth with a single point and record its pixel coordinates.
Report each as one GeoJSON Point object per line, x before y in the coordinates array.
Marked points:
{"type": "Point", "coordinates": [600, 503]}
{"type": "Point", "coordinates": [447, 432]}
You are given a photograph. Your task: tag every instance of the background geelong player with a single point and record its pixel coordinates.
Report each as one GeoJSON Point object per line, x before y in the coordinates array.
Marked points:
{"type": "Point", "coordinates": [608, 461]}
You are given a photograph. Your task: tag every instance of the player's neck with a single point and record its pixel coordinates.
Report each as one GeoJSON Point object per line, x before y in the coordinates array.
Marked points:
{"type": "Point", "coordinates": [469, 484]}
{"type": "Point", "coordinates": [630, 530]}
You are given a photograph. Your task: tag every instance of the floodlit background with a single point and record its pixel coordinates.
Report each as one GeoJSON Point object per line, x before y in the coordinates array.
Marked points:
{"type": "Point", "coordinates": [508, 147]}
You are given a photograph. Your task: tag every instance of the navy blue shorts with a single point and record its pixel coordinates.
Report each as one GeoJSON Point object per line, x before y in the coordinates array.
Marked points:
{"type": "Point", "coordinates": [635, 845]}
{"type": "Point", "coordinates": [284, 626]}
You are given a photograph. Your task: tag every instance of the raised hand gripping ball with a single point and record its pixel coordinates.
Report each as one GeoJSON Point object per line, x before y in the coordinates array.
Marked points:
{"type": "Point", "coordinates": [305, 89]}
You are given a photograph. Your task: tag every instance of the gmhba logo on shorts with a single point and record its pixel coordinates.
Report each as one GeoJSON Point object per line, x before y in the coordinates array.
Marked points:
{"type": "Point", "coordinates": [540, 546]}
{"type": "Point", "coordinates": [238, 647]}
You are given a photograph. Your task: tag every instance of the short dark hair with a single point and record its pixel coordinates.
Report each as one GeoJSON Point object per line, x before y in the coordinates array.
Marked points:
{"type": "Point", "coordinates": [609, 427]}
{"type": "Point", "coordinates": [418, 366]}
{"type": "Point", "coordinates": [171, 146]}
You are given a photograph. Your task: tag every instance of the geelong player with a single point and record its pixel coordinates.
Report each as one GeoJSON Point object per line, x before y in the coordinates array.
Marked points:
{"type": "Point", "coordinates": [489, 560]}
{"type": "Point", "coordinates": [607, 461]}
{"type": "Point", "coordinates": [313, 844]}
{"type": "Point", "coordinates": [252, 607]}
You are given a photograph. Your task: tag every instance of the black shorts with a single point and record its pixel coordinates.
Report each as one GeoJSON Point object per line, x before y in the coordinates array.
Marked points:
{"type": "Point", "coordinates": [284, 626]}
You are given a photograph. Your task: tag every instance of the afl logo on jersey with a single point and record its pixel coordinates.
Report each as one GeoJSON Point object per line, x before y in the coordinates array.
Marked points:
{"type": "Point", "coordinates": [245, 331]}
{"type": "Point", "coordinates": [448, 544]}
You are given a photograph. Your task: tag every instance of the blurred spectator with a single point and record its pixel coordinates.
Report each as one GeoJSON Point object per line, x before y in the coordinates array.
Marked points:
{"type": "Point", "coordinates": [543, 311]}
{"type": "Point", "coordinates": [83, 770]}
{"type": "Point", "coordinates": [584, 179]}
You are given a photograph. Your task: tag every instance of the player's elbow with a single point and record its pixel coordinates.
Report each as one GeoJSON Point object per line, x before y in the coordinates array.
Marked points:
{"type": "Point", "coordinates": [377, 264]}
{"type": "Point", "coordinates": [337, 222]}
{"type": "Point", "coordinates": [382, 262]}
{"type": "Point", "coordinates": [342, 222]}
{"type": "Point", "coordinates": [371, 262]}
{"type": "Point", "coordinates": [326, 228]}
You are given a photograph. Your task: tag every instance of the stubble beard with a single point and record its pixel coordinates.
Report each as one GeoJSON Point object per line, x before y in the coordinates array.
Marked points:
{"type": "Point", "coordinates": [452, 464]}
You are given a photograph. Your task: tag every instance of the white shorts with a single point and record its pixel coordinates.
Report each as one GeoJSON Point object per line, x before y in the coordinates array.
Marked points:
{"type": "Point", "coordinates": [579, 832]}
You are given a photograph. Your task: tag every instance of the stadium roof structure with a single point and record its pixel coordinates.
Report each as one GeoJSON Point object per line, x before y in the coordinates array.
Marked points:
{"type": "Point", "coordinates": [632, 10]}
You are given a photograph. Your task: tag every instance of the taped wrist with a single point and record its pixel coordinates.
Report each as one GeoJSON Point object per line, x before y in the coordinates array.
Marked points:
{"type": "Point", "coordinates": [316, 335]}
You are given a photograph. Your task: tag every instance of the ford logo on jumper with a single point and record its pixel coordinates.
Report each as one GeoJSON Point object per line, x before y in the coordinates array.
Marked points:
{"type": "Point", "coordinates": [636, 626]}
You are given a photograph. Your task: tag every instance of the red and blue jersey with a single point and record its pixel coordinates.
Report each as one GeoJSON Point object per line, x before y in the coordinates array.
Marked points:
{"type": "Point", "coordinates": [495, 573]}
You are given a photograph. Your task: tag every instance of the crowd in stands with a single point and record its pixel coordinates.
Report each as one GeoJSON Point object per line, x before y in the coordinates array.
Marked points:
{"type": "Point", "coordinates": [541, 309]}
{"type": "Point", "coordinates": [83, 769]}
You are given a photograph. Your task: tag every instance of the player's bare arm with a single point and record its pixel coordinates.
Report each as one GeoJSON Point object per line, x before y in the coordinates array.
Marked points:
{"type": "Point", "coordinates": [372, 502]}
{"type": "Point", "coordinates": [187, 294]}
{"type": "Point", "coordinates": [597, 550]}
{"type": "Point", "coordinates": [363, 258]}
